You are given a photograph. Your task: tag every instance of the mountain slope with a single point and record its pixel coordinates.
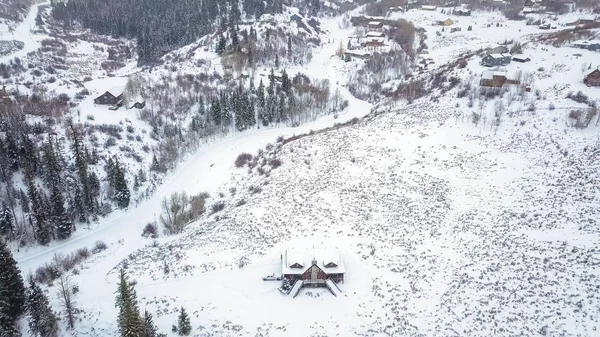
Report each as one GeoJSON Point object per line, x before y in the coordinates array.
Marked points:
{"type": "Point", "coordinates": [445, 232]}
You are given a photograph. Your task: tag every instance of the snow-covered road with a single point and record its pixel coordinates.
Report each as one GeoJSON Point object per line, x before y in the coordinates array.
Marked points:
{"type": "Point", "coordinates": [207, 170]}
{"type": "Point", "coordinates": [24, 34]}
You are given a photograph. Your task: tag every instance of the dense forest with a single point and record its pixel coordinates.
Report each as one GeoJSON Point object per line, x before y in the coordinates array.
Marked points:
{"type": "Point", "coordinates": [162, 25]}
{"type": "Point", "coordinates": [48, 183]}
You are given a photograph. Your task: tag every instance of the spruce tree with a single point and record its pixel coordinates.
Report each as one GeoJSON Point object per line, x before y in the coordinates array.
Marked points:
{"type": "Point", "coordinates": [6, 221]}
{"type": "Point", "coordinates": [43, 228]}
{"type": "Point", "coordinates": [42, 320]}
{"type": "Point", "coordinates": [183, 323]}
{"type": "Point", "coordinates": [215, 111]}
{"type": "Point", "coordinates": [221, 45]}
{"type": "Point", "coordinates": [286, 84]}
{"type": "Point", "coordinates": [149, 327]}
{"type": "Point", "coordinates": [12, 289]}
{"type": "Point", "coordinates": [129, 319]}
{"type": "Point", "coordinates": [122, 194]}
{"type": "Point", "coordinates": [62, 223]}
{"type": "Point", "coordinates": [260, 93]}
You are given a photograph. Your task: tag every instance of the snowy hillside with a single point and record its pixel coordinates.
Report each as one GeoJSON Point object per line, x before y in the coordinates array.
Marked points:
{"type": "Point", "coordinates": [446, 230]}
{"type": "Point", "coordinates": [463, 197]}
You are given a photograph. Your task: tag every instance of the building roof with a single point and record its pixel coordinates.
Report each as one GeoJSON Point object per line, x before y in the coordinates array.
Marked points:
{"type": "Point", "coordinates": [429, 7]}
{"type": "Point", "coordinates": [375, 40]}
{"type": "Point", "coordinates": [304, 258]}
{"type": "Point", "coordinates": [496, 56]}
{"type": "Point", "coordinates": [375, 34]}
{"type": "Point", "coordinates": [357, 53]}
{"type": "Point", "coordinates": [375, 23]}
{"type": "Point", "coordinates": [489, 75]}
{"type": "Point", "coordinates": [116, 91]}
{"type": "Point", "coordinates": [592, 72]}
{"type": "Point", "coordinates": [520, 57]}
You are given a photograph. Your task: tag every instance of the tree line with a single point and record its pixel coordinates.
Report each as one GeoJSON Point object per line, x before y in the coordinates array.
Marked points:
{"type": "Point", "coordinates": [162, 25]}
{"type": "Point", "coordinates": [184, 115]}
{"type": "Point", "coordinates": [51, 184]}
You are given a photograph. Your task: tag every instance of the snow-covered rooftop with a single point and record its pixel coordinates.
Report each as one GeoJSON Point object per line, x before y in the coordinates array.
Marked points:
{"type": "Point", "coordinates": [496, 56]}
{"type": "Point", "coordinates": [328, 259]}
{"type": "Point", "coordinates": [489, 75]}
{"type": "Point", "coordinates": [375, 34]}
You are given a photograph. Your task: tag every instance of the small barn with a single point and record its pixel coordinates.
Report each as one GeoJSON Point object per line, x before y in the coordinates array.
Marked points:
{"type": "Point", "coordinates": [447, 22]}
{"type": "Point", "coordinates": [521, 58]}
{"type": "Point", "coordinates": [138, 105]}
{"type": "Point", "coordinates": [314, 267]}
{"type": "Point", "coordinates": [592, 79]}
{"type": "Point", "coordinates": [494, 79]}
{"type": "Point", "coordinates": [113, 96]}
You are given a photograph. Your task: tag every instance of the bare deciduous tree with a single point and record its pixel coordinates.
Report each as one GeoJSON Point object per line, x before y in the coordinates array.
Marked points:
{"type": "Point", "coordinates": [66, 297]}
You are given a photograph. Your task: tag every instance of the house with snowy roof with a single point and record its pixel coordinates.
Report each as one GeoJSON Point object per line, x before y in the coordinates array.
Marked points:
{"type": "Point", "coordinates": [113, 96]}
{"type": "Point", "coordinates": [312, 267]}
{"type": "Point", "coordinates": [492, 60]}
{"type": "Point", "coordinates": [495, 79]}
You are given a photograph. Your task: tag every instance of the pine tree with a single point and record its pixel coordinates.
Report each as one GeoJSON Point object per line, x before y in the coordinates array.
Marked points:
{"type": "Point", "coordinates": [149, 327]}
{"type": "Point", "coordinates": [129, 319]}
{"type": "Point", "coordinates": [122, 194]}
{"type": "Point", "coordinates": [63, 224]}
{"type": "Point", "coordinates": [6, 221]}
{"type": "Point", "coordinates": [260, 93]}
{"type": "Point", "coordinates": [12, 289]}
{"type": "Point", "coordinates": [183, 323]}
{"type": "Point", "coordinates": [42, 320]}
{"type": "Point", "coordinates": [215, 111]}
{"type": "Point", "coordinates": [43, 228]}
{"type": "Point", "coordinates": [235, 41]}
{"type": "Point", "coordinates": [221, 45]}
{"type": "Point", "coordinates": [286, 84]}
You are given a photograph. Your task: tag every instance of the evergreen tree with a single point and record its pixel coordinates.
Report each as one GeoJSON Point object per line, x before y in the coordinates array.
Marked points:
{"type": "Point", "coordinates": [129, 319]}
{"type": "Point", "coordinates": [221, 45]}
{"type": "Point", "coordinates": [235, 40]}
{"type": "Point", "coordinates": [149, 327]}
{"type": "Point", "coordinates": [122, 194]}
{"type": "Point", "coordinates": [215, 111]}
{"type": "Point", "coordinates": [43, 228]}
{"type": "Point", "coordinates": [42, 320]}
{"type": "Point", "coordinates": [81, 157]}
{"type": "Point", "coordinates": [12, 289]}
{"type": "Point", "coordinates": [62, 222]}
{"type": "Point", "coordinates": [183, 323]}
{"type": "Point", "coordinates": [286, 83]}
{"type": "Point", "coordinates": [6, 221]}
{"type": "Point", "coordinates": [260, 93]}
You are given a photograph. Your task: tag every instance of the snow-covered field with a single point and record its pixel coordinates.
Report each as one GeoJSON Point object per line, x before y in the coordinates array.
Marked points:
{"type": "Point", "coordinates": [446, 228]}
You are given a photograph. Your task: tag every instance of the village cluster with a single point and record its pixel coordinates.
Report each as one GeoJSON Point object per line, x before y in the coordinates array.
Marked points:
{"type": "Point", "coordinates": [371, 38]}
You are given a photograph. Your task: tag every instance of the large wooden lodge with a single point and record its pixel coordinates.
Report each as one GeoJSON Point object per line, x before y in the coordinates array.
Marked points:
{"type": "Point", "coordinates": [312, 268]}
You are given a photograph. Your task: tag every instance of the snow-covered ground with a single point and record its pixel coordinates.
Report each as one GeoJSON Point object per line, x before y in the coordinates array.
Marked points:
{"type": "Point", "coordinates": [23, 33]}
{"type": "Point", "coordinates": [446, 228]}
